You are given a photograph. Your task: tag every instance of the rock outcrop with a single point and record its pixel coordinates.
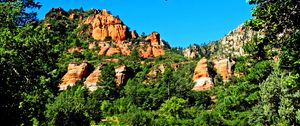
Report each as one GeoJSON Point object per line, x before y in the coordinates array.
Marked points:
{"type": "Point", "coordinates": [75, 49]}
{"type": "Point", "coordinates": [223, 68]}
{"type": "Point", "coordinates": [92, 80]}
{"type": "Point", "coordinates": [104, 24]}
{"type": "Point", "coordinates": [232, 44]}
{"type": "Point", "coordinates": [121, 75]}
{"type": "Point", "coordinates": [154, 38]}
{"type": "Point", "coordinates": [78, 72]}
{"type": "Point", "coordinates": [154, 48]}
{"type": "Point", "coordinates": [190, 53]}
{"type": "Point", "coordinates": [201, 76]}
{"type": "Point", "coordinates": [112, 51]}
{"type": "Point", "coordinates": [75, 73]}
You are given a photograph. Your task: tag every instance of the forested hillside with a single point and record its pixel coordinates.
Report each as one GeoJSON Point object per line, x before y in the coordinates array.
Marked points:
{"type": "Point", "coordinates": [87, 67]}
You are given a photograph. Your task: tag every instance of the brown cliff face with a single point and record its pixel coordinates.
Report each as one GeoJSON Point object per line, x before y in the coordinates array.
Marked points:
{"type": "Point", "coordinates": [124, 49]}
{"type": "Point", "coordinates": [201, 76]}
{"type": "Point", "coordinates": [223, 68]}
{"type": "Point", "coordinates": [92, 79]}
{"type": "Point", "coordinates": [75, 73]}
{"type": "Point", "coordinates": [104, 24]}
{"type": "Point", "coordinates": [158, 50]}
{"type": "Point", "coordinates": [78, 72]}
{"type": "Point", "coordinates": [146, 53]}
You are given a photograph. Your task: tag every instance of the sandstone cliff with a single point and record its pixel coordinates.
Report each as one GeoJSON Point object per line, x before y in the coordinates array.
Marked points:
{"type": "Point", "coordinates": [201, 76]}
{"type": "Point", "coordinates": [76, 73]}
{"type": "Point", "coordinates": [104, 24]}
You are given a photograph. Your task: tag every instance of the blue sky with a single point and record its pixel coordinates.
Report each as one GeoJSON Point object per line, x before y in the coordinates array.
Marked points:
{"type": "Point", "coordinates": [180, 22]}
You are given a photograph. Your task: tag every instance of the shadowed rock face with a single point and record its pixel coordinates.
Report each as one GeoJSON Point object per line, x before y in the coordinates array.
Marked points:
{"type": "Point", "coordinates": [75, 73]}
{"type": "Point", "coordinates": [105, 24]}
{"type": "Point", "coordinates": [201, 76]}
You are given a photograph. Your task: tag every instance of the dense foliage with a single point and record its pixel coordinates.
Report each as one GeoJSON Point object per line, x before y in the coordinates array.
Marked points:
{"type": "Point", "coordinates": [33, 58]}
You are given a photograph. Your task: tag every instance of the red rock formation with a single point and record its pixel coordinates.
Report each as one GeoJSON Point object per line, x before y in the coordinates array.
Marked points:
{"type": "Point", "coordinates": [201, 76]}
{"type": "Point", "coordinates": [154, 38]}
{"type": "Point", "coordinates": [75, 73]}
{"type": "Point", "coordinates": [124, 49]}
{"type": "Point", "coordinates": [158, 50]}
{"type": "Point", "coordinates": [104, 24]}
{"type": "Point", "coordinates": [103, 48]}
{"type": "Point", "coordinates": [75, 49]}
{"type": "Point", "coordinates": [146, 53]}
{"type": "Point", "coordinates": [121, 75]}
{"type": "Point", "coordinates": [112, 51]}
{"type": "Point", "coordinates": [92, 79]}
{"type": "Point", "coordinates": [223, 68]}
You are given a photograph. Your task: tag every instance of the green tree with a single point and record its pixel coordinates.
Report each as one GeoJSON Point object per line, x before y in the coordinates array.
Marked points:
{"type": "Point", "coordinates": [278, 21]}
{"type": "Point", "coordinates": [174, 106]}
{"type": "Point", "coordinates": [69, 108]}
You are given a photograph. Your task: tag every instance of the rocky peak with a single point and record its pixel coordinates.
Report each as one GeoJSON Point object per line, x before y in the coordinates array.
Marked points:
{"type": "Point", "coordinates": [54, 11]}
{"type": "Point", "coordinates": [154, 38]}
{"type": "Point", "coordinates": [191, 52]}
{"type": "Point", "coordinates": [104, 24]}
{"type": "Point", "coordinates": [232, 44]}
{"type": "Point", "coordinates": [154, 48]}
